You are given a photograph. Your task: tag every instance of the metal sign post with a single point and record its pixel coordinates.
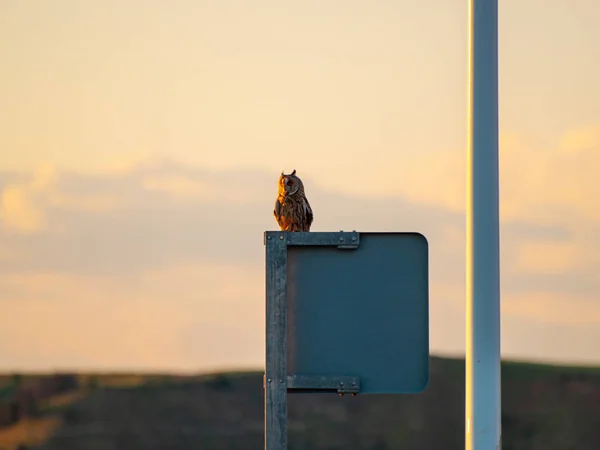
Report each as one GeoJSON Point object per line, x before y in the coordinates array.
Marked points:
{"type": "Point", "coordinates": [345, 313]}
{"type": "Point", "coordinates": [482, 401]}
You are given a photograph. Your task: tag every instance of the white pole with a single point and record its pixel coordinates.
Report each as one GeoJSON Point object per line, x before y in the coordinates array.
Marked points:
{"type": "Point", "coordinates": [482, 400]}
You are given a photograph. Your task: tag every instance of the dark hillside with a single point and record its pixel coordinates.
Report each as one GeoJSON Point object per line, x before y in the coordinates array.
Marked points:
{"type": "Point", "coordinates": [544, 407]}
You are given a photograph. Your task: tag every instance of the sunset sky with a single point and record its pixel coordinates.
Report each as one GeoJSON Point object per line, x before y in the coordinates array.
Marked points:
{"type": "Point", "coordinates": [142, 140]}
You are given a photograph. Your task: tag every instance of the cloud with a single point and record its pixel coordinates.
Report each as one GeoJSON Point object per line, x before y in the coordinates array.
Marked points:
{"type": "Point", "coordinates": [163, 276]}
{"type": "Point", "coordinates": [179, 186]}
{"type": "Point", "coordinates": [179, 317]}
{"type": "Point", "coordinates": [18, 211]}
{"type": "Point", "coordinates": [581, 139]}
{"type": "Point", "coordinates": [547, 257]}
{"type": "Point", "coordinates": [161, 265]}
{"type": "Point", "coordinates": [539, 340]}
{"type": "Point", "coordinates": [555, 307]}
{"type": "Point", "coordinates": [538, 184]}
{"type": "Point", "coordinates": [19, 200]}
{"type": "Point", "coordinates": [146, 225]}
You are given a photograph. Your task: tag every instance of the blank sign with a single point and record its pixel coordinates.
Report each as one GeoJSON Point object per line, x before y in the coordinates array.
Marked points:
{"type": "Point", "coordinates": [361, 312]}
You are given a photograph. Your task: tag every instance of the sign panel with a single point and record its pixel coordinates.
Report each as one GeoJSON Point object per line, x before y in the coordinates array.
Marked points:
{"type": "Point", "coordinates": [360, 312]}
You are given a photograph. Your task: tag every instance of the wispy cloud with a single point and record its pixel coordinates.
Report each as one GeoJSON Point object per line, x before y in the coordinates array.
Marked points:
{"type": "Point", "coordinates": [174, 269]}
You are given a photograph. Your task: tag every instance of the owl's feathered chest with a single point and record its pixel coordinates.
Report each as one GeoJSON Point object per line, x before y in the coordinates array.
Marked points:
{"type": "Point", "coordinates": [293, 207]}
{"type": "Point", "coordinates": [293, 213]}
{"type": "Point", "coordinates": [290, 203]}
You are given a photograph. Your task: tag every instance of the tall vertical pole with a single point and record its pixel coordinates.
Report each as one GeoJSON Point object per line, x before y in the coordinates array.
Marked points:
{"type": "Point", "coordinates": [482, 400]}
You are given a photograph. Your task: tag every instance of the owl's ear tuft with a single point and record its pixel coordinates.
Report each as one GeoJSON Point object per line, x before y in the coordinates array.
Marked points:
{"type": "Point", "coordinates": [293, 173]}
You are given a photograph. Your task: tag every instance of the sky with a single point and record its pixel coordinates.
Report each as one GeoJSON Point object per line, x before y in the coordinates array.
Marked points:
{"type": "Point", "coordinates": [142, 141]}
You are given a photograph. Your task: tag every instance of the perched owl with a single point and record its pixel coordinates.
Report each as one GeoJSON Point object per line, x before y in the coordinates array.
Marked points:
{"type": "Point", "coordinates": [292, 210]}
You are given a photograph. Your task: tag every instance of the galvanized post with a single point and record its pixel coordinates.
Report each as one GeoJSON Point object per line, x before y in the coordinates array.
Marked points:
{"type": "Point", "coordinates": [482, 401]}
{"type": "Point", "coordinates": [276, 342]}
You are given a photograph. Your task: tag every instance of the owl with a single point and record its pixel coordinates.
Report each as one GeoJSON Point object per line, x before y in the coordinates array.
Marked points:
{"type": "Point", "coordinates": [292, 210]}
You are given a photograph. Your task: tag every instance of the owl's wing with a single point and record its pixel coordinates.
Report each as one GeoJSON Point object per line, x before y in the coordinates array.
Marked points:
{"type": "Point", "coordinates": [277, 210]}
{"type": "Point", "coordinates": [309, 214]}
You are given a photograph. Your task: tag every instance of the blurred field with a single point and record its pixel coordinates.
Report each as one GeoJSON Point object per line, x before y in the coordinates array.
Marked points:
{"type": "Point", "coordinates": [544, 407]}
